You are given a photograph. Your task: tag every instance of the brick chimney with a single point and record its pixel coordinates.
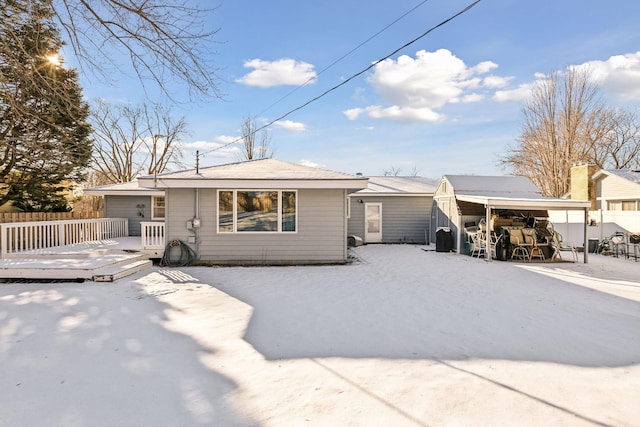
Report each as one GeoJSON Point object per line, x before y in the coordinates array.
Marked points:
{"type": "Point", "coordinates": [582, 186]}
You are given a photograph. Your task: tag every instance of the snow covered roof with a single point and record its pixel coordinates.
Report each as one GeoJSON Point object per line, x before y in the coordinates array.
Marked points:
{"type": "Point", "coordinates": [262, 173]}
{"type": "Point", "coordinates": [509, 192]}
{"type": "Point", "coordinates": [495, 186]}
{"type": "Point", "coordinates": [130, 188]}
{"type": "Point", "coordinates": [632, 175]}
{"type": "Point", "coordinates": [399, 185]}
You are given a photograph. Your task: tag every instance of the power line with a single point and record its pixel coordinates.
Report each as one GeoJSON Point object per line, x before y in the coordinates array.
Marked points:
{"type": "Point", "coordinates": [342, 57]}
{"type": "Point", "coordinates": [446, 21]}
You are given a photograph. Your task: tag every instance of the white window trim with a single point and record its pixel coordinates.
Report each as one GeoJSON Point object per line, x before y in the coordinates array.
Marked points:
{"type": "Point", "coordinates": [235, 211]}
{"type": "Point", "coordinates": [153, 208]}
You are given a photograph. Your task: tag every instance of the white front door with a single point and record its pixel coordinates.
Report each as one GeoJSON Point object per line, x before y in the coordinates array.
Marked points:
{"type": "Point", "coordinates": [373, 222]}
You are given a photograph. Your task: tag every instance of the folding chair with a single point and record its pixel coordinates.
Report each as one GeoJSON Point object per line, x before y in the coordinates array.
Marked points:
{"type": "Point", "coordinates": [559, 246]}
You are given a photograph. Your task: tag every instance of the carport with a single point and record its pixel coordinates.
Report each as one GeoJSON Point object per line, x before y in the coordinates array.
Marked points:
{"type": "Point", "coordinates": [533, 204]}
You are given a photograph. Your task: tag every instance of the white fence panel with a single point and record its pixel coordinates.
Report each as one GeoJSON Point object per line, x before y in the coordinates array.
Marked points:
{"type": "Point", "coordinates": [601, 224]}
{"type": "Point", "coordinates": [27, 236]}
{"type": "Point", "coordinates": [152, 235]}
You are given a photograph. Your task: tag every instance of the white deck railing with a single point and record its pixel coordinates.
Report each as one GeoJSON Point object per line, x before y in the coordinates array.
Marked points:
{"type": "Point", "coordinates": [152, 235]}
{"type": "Point", "coordinates": [27, 236]}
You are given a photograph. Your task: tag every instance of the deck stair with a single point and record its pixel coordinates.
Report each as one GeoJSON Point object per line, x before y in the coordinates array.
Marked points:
{"type": "Point", "coordinates": [98, 265]}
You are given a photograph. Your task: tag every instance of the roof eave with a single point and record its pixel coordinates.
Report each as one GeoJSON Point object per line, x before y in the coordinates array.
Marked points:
{"type": "Point", "coordinates": [508, 203]}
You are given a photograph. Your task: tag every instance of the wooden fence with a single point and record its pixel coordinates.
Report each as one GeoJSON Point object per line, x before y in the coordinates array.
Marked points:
{"type": "Point", "coordinates": [6, 217]}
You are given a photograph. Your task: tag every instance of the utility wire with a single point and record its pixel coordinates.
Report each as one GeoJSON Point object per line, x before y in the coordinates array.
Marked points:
{"type": "Point", "coordinates": [446, 21]}
{"type": "Point", "coordinates": [341, 58]}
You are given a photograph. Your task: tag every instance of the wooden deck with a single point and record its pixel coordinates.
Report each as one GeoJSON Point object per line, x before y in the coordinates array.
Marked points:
{"type": "Point", "coordinates": [102, 260]}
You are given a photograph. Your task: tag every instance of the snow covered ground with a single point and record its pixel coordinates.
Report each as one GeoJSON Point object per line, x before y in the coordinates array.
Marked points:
{"type": "Point", "coordinates": [404, 337]}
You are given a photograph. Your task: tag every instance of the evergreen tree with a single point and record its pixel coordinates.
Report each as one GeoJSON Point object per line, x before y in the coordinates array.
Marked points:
{"type": "Point", "coordinates": [45, 140]}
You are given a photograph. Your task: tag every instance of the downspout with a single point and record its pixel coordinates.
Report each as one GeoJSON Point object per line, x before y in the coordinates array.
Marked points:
{"type": "Point", "coordinates": [196, 230]}
{"type": "Point", "coordinates": [487, 234]}
{"type": "Point", "coordinates": [586, 240]}
{"type": "Point", "coordinates": [345, 249]}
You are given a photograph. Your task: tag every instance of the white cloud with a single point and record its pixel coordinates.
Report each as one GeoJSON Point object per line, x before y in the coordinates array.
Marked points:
{"type": "Point", "coordinates": [353, 113]}
{"type": "Point", "coordinates": [221, 146]}
{"type": "Point", "coordinates": [520, 93]}
{"type": "Point", "coordinates": [404, 113]}
{"type": "Point", "coordinates": [309, 163]}
{"type": "Point", "coordinates": [472, 97]}
{"type": "Point", "coordinates": [413, 89]}
{"type": "Point", "coordinates": [619, 75]}
{"type": "Point", "coordinates": [496, 82]}
{"type": "Point", "coordinates": [275, 73]}
{"type": "Point", "coordinates": [291, 125]}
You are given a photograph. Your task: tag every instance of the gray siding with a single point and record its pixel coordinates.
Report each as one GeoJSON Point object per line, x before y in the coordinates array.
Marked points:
{"type": "Point", "coordinates": [126, 207]}
{"type": "Point", "coordinates": [405, 219]}
{"type": "Point", "coordinates": [321, 235]}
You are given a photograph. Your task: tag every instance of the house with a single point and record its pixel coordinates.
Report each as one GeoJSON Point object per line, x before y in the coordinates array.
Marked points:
{"type": "Point", "coordinates": [615, 203]}
{"type": "Point", "coordinates": [617, 189]}
{"type": "Point", "coordinates": [131, 201]}
{"type": "Point", "coordinates": [257, 212]}
{"type": "Point", "coordinates": [463, 201]}
{"type": "Point", "coordinates": [392, 209]}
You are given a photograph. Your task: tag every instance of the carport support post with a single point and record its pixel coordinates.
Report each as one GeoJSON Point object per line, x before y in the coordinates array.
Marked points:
{"type": "Point", "coordinates": [487, 234]}
{"type": "Point", "coordinates": [586, 239]}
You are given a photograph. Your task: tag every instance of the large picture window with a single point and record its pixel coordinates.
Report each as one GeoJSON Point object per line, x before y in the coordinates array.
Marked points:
{"type": "Point", "coordinates": [259, 211]}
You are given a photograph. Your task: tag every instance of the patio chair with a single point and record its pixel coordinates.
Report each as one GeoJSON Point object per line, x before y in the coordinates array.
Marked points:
{"type": "Point", "coordinates": [493, 244]}
{"type": "Point", "coordinates": [520, 247]}
{"type": "Point", "coordinates": [531, 240]}
{"type": "Point", "coordinates": [478, 244]}
{"type": "Point", "coordinates": [619, 244]}
{"type": "Point", "coordinates": [559, 247]}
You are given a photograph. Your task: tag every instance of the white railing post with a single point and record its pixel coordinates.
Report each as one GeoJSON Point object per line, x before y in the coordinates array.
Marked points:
{"type": "Point", "coordinates": [3, 241]}
{"type": "Point", "coordinates": [61, 234]}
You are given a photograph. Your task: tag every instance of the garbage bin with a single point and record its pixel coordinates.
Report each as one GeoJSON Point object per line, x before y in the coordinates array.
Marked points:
{"type": "Point", "coordinates": [444, 239]}
{"type": "Point", "coordinates": [593, 246]}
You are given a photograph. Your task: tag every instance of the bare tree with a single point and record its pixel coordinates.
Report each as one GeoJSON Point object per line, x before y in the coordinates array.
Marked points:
{"type": "Point", "coordinates": [392, 171]}
{"type": "Point", "coordinates": [563, 121]}
{"type": "Point", "coordinates": [395, 171]}
{"type": "Point", "coordinates": [255, 144]}
{"type": "Point", "coordinates": [164, 41]}
{"type": "Point", "coordinates": [131, 141]}
{"type": "Point", "coordinates": [619, 146]}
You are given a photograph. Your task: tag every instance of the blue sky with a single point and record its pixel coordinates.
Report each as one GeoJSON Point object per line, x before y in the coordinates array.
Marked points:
{"type": "Point", "coordinates": [447, 104]}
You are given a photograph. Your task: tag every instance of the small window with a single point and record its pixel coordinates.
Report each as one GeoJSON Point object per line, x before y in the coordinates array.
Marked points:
{"type": "Point", "coordinates": [158, 207]}
{"type": "Point", "coordinates": [614, 206]}
{"type": "Point", "coordinates": [629, 205]}
{"type": "Point", "coordinates": [258, 211]}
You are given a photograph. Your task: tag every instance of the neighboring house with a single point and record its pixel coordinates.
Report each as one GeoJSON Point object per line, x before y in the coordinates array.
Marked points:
{"type": "Point", "coordinates": [129, 200]}
{"type": "Point", "coordinates": [617, 189]}
{"type": "Point", "coordinates": [461, 201]}
{"type": "Point", "coordinates": [392, 209]}
{"type": "Point", "coordinates": [257, 212]}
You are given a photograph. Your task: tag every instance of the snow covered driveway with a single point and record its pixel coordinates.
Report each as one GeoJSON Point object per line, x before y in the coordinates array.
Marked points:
{"type": "Point", "coordinates": [402, 338]}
